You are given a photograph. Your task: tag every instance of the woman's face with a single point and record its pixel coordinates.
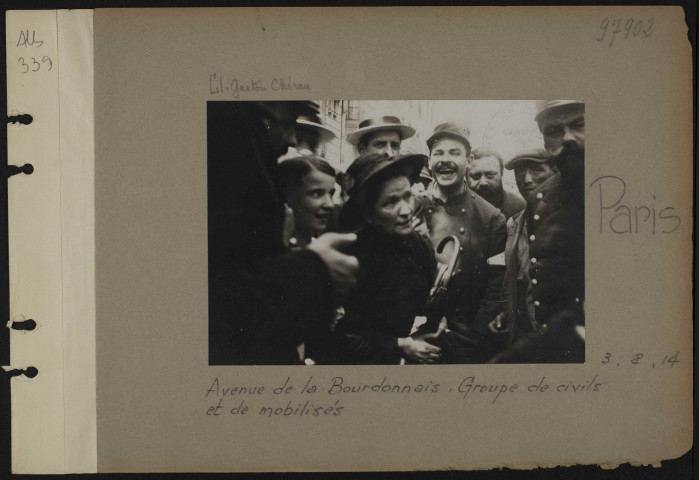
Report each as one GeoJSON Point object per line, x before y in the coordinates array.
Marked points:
{"type": "Point", "coordinates": [393, 210]}
{"type": "Point", "coordinates": [312, 202]}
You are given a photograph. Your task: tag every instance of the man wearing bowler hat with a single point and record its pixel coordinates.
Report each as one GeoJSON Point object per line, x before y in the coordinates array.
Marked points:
{"type": "Point", "coordinates": [380, 134]}
{"type": "Point", "coordinates": [451, 208]}
{"type": "Point", "coordinates": [555, 222]}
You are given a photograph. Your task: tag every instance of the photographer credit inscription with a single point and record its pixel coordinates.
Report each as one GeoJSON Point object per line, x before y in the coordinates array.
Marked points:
{"type": "Point", "coordinates": [238, 88]}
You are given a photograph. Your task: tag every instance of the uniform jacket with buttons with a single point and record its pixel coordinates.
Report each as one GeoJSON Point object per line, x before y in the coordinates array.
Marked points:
{"type": "Point", "coordinates": [474, 297]}
{"type": "Point", "coordinates": [556, 226]}
{"type": "Point", "coordinates": [519, 309]}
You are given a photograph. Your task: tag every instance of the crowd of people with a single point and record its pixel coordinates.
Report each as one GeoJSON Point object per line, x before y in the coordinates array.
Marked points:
{"type": "Point", "coordinates": [402, 258]}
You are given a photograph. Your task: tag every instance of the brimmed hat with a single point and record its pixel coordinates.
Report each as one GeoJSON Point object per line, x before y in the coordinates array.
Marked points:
{"type": "Point", "coordinates": [312, 122]}
{"type": "Point", "coordinates": [376, 124]}
{"type": "Point", "coordinates": [543, 107]}
{"type": "Point", "coordinates": [450, 129]}
{"type": "Point", "coordinates": [367, 167]}
{"type": "Point", "coordinates": [538, 155]}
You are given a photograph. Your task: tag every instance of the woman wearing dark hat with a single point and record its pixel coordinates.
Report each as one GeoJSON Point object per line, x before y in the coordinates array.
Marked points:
{"type": "Point", "coordinates": [397, 267]}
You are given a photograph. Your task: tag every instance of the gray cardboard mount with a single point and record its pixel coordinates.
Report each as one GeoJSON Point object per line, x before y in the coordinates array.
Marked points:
{"type": "Point", "coordinates": [152, 81]}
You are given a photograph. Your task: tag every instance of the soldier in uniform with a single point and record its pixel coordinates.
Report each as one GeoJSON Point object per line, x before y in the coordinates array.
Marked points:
{"type": "Point", "coordinates": [532, 167]}
{"type": "Point", "coordinates": [556, 225]}
{"type": "Point", "coordinates": [451, 208]}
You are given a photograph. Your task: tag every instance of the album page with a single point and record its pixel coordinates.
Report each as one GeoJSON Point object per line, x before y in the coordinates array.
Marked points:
{"type": "Point", "coordinates": [208, 351]}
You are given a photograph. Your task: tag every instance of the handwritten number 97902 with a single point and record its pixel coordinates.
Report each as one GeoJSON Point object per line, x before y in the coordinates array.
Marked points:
{"type": "Point", "coordinates": [629, 28]}
{"type": "Point", "coordinates": [33, 65]}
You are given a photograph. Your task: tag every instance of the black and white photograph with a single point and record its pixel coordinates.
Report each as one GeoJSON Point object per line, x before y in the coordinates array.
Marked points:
{"type": "Point", "coordinates": [396, 232]}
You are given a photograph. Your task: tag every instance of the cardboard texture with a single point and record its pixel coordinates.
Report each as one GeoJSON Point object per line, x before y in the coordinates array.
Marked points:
{"type": "Point", "coordinates": [152, 81]}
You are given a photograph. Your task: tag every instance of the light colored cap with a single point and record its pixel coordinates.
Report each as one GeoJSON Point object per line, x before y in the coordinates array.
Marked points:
{"type": "Point", "coordinates": [377, 124]}
{"type": "Point", "coordinates": [543, 106]}
{"type": "Point", "coordinates": [325, 134]}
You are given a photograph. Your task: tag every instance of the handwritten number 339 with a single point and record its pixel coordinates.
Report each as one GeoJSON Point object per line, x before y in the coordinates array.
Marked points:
{"type": "Point", "coordinates": [34, 66]}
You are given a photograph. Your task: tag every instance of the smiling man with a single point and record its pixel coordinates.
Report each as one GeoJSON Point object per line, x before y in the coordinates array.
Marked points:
{"type": "Point", "coordinates": [451, 208]}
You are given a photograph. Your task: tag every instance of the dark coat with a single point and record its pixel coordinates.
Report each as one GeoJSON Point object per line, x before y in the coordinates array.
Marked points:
{"type": "Point", "coordinates": [393, 284]}
{"type": "Point", "coordinates": [556, 225]}
{"type": "Point", "coordinates": [511, 204]}
{"type": "Point", "coordinates": [475, 296]}
{"type": "Point", "coordinates": [555, 221]}
{"type": "Point", "coordinates": [519, 308]}
{"type": "Point", "coordinates": [264, 300]}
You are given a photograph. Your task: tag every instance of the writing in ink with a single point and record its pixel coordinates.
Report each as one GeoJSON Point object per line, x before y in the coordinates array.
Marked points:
{"type": "Point", "coordinates": [623, 218]}
{"type": "Point", "coordinates": [27, 39]}
{"type": "Point", "coordinates": [625, 28]}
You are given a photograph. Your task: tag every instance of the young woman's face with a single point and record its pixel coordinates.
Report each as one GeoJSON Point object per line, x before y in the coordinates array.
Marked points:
{"type": "Point", "coordinates": [393, 210]}
{"type": "Point", "coordinates": [312, 202]}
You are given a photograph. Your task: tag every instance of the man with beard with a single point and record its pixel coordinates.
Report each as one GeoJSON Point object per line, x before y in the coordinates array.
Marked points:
{"type": "Point", "coordinates": [485, 178]}
{"type": "Point", "coordinates": [555, 222]}
{"type": "Point", "coordinates": [264, 300]}
{"type": "Point", "coordinates": [451, 208]}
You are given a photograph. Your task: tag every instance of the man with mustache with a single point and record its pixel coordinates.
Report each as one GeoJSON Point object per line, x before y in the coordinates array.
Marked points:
{"type": "Point", "coordinates": [485, 178]}
{"type": "Point", "coordinates": [451, 208]}
{"type": "Point", "coordinates": [380, 134]}
{"type": "Point", "coordinates": [555, 222]}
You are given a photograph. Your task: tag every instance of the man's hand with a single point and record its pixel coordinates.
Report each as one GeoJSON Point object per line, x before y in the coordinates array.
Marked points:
{"type": "Point", "coordinates": [420, 227]}
{"type": "Point", "coordinates": [497, 325]}
{"type": "Point", "coordinates": [419, 350]}
{"type": "Point", "coordinates": [342, 267]}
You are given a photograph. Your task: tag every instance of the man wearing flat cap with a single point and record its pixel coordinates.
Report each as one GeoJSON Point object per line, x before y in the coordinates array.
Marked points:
{"type": "Point", "coordinates": [531, 167]}
{"type": "Point", "coordinates": [264, 300]}
{"type": "Point", "coordinates": [555, 222]}
{"type": "Point", "coordinates": [380, 134]}
{"type": "Point", "coordinates": [451, 208]}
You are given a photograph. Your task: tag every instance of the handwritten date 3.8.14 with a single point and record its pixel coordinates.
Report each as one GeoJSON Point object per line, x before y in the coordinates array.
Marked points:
{"type": "Point", "coordinates": [652, 361]}
{"type": "Point", "coordinates": [625, 29]}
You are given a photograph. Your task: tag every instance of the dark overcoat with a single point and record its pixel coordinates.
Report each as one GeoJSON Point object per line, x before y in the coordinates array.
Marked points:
{"type": "Point", "coordinates": [264, 300]}
{"type": "Point", "coordinates": [393, 284]}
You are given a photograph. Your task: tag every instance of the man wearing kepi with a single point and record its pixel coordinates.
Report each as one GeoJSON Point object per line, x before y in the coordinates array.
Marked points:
{"type": "Point", "coordinates": [264, 300]}
{"type": "Point", "coordinates": [485, 178]}
{"type": "Point", "coordinates": [555, 223]}
{"type": "Point", "coordinates": [451, 208]}
{"type": "Point", "coordinates": [532, 167]}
